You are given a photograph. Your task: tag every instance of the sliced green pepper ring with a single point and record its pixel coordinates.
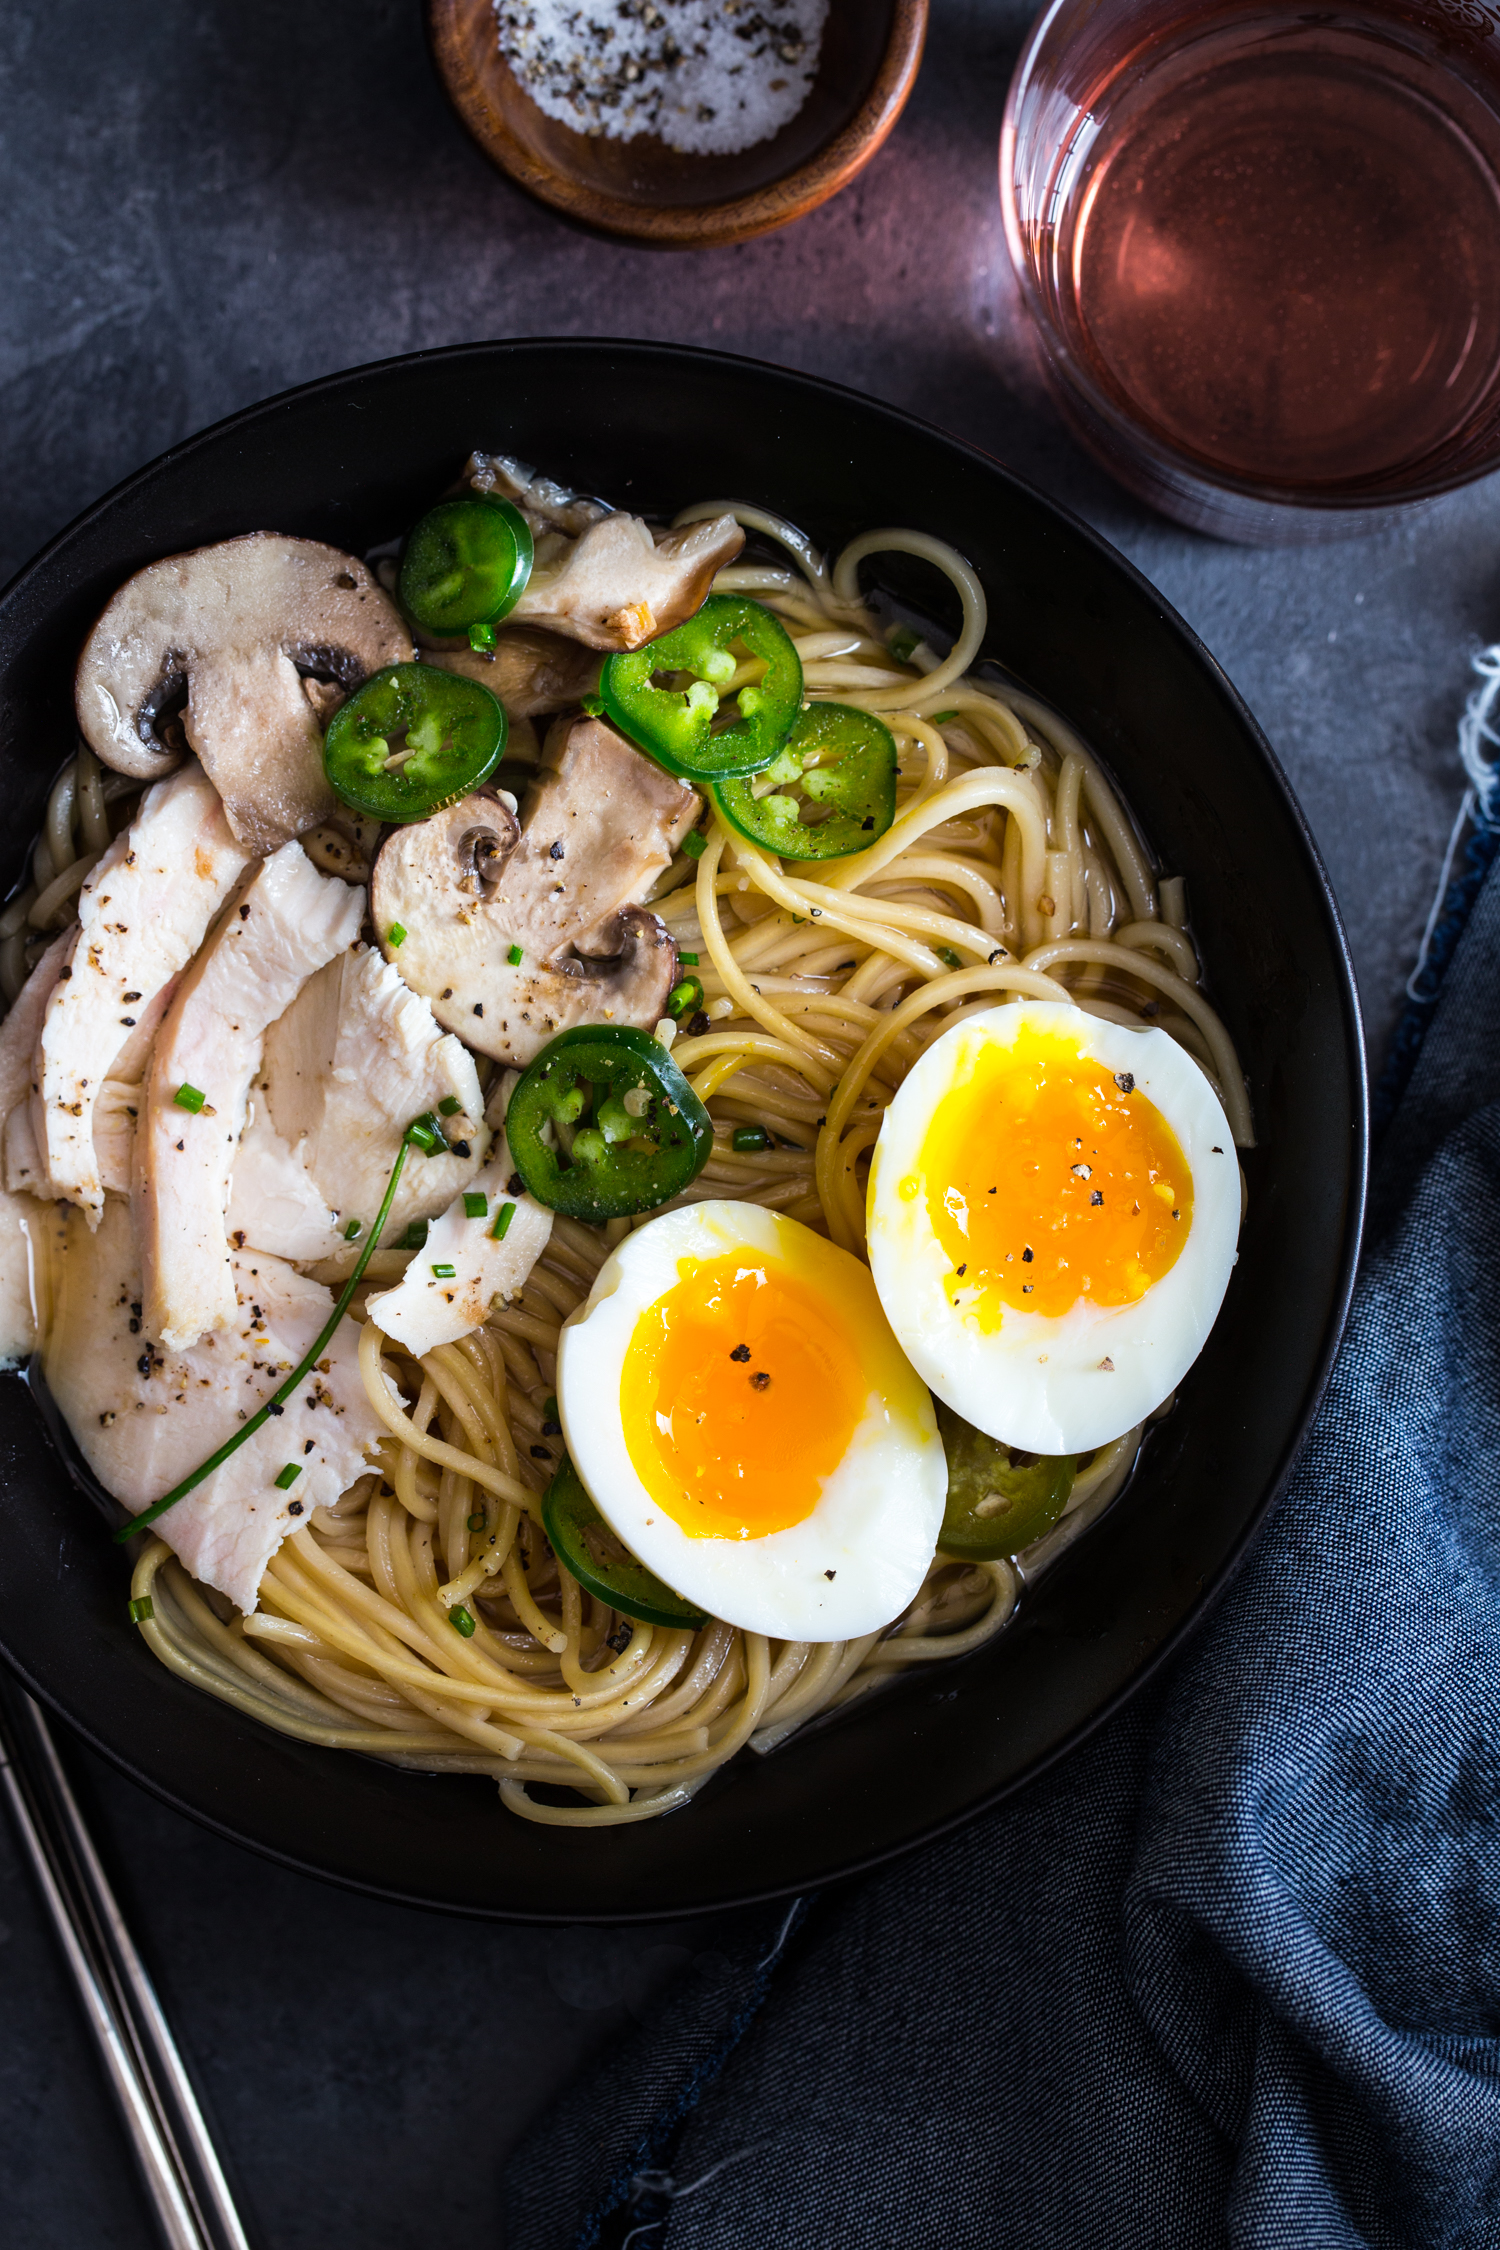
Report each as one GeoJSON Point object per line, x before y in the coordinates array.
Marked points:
{"type": "Point", "coordinates": [844, 761]}
{"type": "Point", "coordinates": [603, 1124]}
{"type": "Point", "coordinates": [602, 1564]}
{"type": "Point", "coordinates": [412, 740]}
{"type": "Point", "coordinates": [466, 563]}
{"type": "Point", "coordinates": [998, 1501]}
{"type": "Point", "coordinates": [679, 725]}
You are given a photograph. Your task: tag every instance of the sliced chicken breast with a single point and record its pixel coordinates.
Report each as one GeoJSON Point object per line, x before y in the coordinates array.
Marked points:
{"type": "Point", "coordinates": [20, 1217]}
{"type": "Point", "coordinates": [429, 1306]}
{"type": "Point", "coordinates": [347, 1069]}
{"type": "Point", "coordinates": [274, 1202]}
{"type": "Point", "coordinates": [144, 1418]}
{"type": "Point", "coordinates": [141, 916]}
{"type": "Point", "coordinates": [286, 922]}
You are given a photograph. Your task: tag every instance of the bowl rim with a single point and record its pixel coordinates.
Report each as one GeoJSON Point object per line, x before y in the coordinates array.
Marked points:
{"type": "Point", "coordinates": [1350, 1237]}
{"type": "Point", "coordinates": [685, 226]}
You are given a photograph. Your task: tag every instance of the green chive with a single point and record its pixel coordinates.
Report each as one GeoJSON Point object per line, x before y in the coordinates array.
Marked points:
{"type": "Point", "coordinates": [477, 1521]}
{"type": "Point", "coordinates": [462, 1621]}
{"type": "Point", "coordinates": [685, 998]}
{"type": "Point", "coordinates": [415, 1236]}
{"type": "Point", "coordinates": [946, 953]}
{"type": "Point", "coordinates": [901, 643]}
{"type": "Point", "coordinates": [188, 1097]}
{"type": "Point", "coordinates": [476, 1206]}
{"type": "Point", "coordinates": [695, 843]}
{"type": "Point", "coordinates": [354, 1230]}
{"type": "Point", "coordinates": [425, 1133]}
{"type": "Point", "coordinates": [515, 957]}
{"type": "Point", "coordinates": [481, 639]}
{"type": "Point", "coordinates": [593, 705]}
{"type": "Point", "coordinates": [141, 1611]}
{"type": "Point", "coordinates": [394, 934]}
{"type": "Point", "coordinates": [449, 1106]}
{"type": "Point", "coordinates": [501, 1227]}
{"type": "Point", "coordinates": [445, 1273]}
{"type": "Point", "coordinates": [945, 718]}
{"type": "Point", "coordinates": [688, 960]}
{"type": "Point", "coordinates": [746, 1139]}
{"type": "Point", "coordinates": [289, 1476]}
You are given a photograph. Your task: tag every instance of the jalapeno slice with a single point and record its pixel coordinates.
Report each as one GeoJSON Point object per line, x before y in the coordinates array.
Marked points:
{"type": "Point", "coordinates": [998, 1501]}
{"type": "Point", "coordinates": [466, 563]}
{"type": "Point", "coordinates": [844, 762]}
{"type": "Point", "coordinates": [683, 722]}
{"type": "Point", "coordinates": [412, 740]}
{"type": "Point", "coordinates": [603, 1124]}
{"type": "Point", "coordinates": [602, 1564]}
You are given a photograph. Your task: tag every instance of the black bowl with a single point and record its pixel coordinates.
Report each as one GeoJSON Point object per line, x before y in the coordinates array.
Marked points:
{"type": "Point", "coordinates": [352, 460]}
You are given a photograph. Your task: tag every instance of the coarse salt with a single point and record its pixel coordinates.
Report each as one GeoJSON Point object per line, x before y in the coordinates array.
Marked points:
{"type": "Point", "coordinates": [706, 76]}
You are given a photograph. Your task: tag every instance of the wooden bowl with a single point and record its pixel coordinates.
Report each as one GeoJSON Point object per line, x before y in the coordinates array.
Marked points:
{"type": "Point", "coordinates": [647, 192]}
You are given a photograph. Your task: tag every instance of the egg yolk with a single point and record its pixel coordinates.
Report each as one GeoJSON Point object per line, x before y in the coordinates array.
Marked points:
{"type": "Point", "coordinates": [1050, 1179]}
{"type": "Point", "coordinates": [740, 1393]}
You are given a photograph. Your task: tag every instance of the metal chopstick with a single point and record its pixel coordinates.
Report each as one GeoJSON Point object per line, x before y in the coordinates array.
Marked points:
{"type": "Point", "coordinates": [178, 2162]}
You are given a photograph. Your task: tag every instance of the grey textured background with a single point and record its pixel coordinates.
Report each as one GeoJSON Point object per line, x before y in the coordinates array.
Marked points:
{"type": "Point", "coordinates": [201, 203]}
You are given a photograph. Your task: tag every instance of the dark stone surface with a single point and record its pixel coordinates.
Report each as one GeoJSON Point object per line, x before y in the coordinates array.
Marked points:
{"type": "Point", "coordinates": [202, 204]}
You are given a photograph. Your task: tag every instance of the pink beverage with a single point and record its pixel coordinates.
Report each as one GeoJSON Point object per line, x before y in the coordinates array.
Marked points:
{"type": "Point", "coordinates": [1266, 254]}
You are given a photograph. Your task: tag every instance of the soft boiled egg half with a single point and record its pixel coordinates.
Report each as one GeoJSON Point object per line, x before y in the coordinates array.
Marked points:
{"type": "Point", "coordinates": [735, 1402]}
{"type": "Point", "coordinates": [1053, 1209]}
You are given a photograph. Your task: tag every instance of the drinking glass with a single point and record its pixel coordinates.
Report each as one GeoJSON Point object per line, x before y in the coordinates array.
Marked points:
{"type": "Point", "coordinates": [1261, 245]}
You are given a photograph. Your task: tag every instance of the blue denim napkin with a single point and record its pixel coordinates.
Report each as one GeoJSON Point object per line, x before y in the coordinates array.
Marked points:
{"type": "Point", "coordinates": [1231, 1974]}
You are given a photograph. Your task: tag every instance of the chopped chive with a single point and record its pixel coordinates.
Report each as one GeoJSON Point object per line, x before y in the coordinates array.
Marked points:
{"type": "Point", "coordinates": [188, 1097]}
{"type": "Point", "coordinates": [462, 1621]}
{"type": "Point", "coordinates": [425, 1133]}
{"type": "Point", "coordinates": [902, 642]}
{"type": "Point", "coordinates": [354, 1230]}
{"type": "Point", "coordinates": [501, 1227]}
{"type": "Point", "coordinates": [476, 1206]}
{"type": "Point", "coordinates": [141, 1610]}
{"type": "Point", "coordinates": [688, 960]}
{"type": "Point", "coordinates": [946, 953]}
{"type": "Point", "coordinates": [289, 1476]}
{"type": "Point", "coordinates": [415, 1235]}
{"type": "Point", "coordinates": [445, 1273]}
{"type": "Point", "coordinates": [476, 1522]}
{"type": "Point", "coordinates": [695, 843]}
{"type": "Point", "coordinates": [515, 957]}
{"type": "Point", "coordinates": [481, 639]}
{"type": "Point", "coordinates": [746, 1139]}
{"type": "Point", "coordinates": [449, 1106]}
{"type": "Point", "coordinates": [593, 705]}
{"type": "Point", "coordinates": [394, 934]}
{"type": "Point", "coordinates": [685, 998]}
{"type": "Point", "coordinates": [945, 718]}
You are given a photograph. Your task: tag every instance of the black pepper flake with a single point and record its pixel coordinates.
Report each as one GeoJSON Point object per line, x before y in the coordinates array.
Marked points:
{"type": "Point", "coordinates": [135, 1328]}
{"type": "Point", "coordinates": [244, 913]}
{"type": "Point", "coordinates": [129, 1022]}
{"type": "Point", "coordinates": [1216, 1152]}
{"type": "Point", "coordinates": [1026, 1256]}
{"type": "Point", "coordinates": [308, 1447]}
{"type": "Point", "coordinates": [127, 997]}
{"type": "Point", "coordinates": [479, 1007]}
{"type": "Point", "coordinates": [1027, 1287]}
{"type": "Point", "coordinates": [834, 1573]}
{"type": "Point", "coordinates": [865, 826]}
{"type": "Point", "coordinates": [552, 1429]}
{"type": "Point", "coordinates": [515, 1185]}
{"type": "Point", "coordinates": [963, 1269]}
{"type": "Point", "coordinates": [699, 1024]}
{"type": "Point", "coordinates": [1097, 1196]}
{"type": "Point", "coordinates": [458, 1148]}
{"type": "Point", "coordinates": [273, 1408]}
{"type": "Point", "coordinates": [1106, 1367]}
{"type": "Point", "coordinates": [741, 1352]}
{"type": "Point", "coordinates": [556, 852]}
{"type": "Point", "coordinates": [143, 1364]}
{"type": "Point", "coordinates": [540, 1453]}
{"type": "Point", "coordinates": [619, 1639]}
{"type": "Point", "coordinates": [1125, 1080]}
{"type": "Point", "coordinates": [294, 1507]}
{"type": "Point", "coordinates": [759, 1380]}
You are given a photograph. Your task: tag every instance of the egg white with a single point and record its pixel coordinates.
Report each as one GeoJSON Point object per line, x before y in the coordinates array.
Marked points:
{"type": "Point", "coordinates": [860, 1557]}
{"type": "Point", "coordinates": [1037, 1382]}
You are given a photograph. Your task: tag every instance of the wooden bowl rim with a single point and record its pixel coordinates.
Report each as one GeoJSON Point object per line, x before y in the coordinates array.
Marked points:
{"type": "Point", "coordinates": [686, 225]}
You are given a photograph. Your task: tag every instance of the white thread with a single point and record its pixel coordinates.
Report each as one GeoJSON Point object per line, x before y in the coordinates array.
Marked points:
{"type": "Point", "coordinates": [1474, 730]}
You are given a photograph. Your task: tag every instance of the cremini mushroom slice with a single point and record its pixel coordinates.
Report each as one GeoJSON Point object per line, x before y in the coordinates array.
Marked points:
{"type": "Point", "coordinates": [515, 931]}
{"type": "Point", "coordinates": [601, 576]}
{"type": "Point", "coordinates": [533, 672]}
{"type": "Point", "coordinates": [241, 652]}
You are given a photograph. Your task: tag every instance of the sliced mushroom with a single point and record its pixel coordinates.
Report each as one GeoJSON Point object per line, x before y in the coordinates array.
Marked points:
{"type": "Point", "coordinates": [531, 671]}
{"type": "Point", "coordinates": [241, 652]}
{"type": "Point", "coordinates": [601, 576]}
{"type": "Point", "coordinates": [473, 886]}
